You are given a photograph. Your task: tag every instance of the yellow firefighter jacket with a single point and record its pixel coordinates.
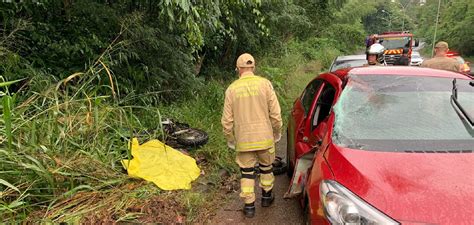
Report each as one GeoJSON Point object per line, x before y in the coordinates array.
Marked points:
{"type": "Point", "coordinates": [251, 115]}
{"type": "Point", "coordinates": [442, 63]}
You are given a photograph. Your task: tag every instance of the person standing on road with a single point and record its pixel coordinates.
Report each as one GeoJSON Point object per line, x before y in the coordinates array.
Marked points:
{"type": "Point", "coordinates": [441, 61]}
{"type": "Point", "coordinates": [251, 122]}
{"type": "Point", "coordinates": [403, 60]}
{"type": "Point", "coordinates": [375, 55]}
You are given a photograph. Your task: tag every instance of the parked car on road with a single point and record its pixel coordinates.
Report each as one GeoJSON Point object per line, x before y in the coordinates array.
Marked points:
{"type": "Point", "coordinates": [416, 59]}
{"type": "Point", "coordinates": [384, 145]}
{"type": "Point", "coordinates": [348, 61]}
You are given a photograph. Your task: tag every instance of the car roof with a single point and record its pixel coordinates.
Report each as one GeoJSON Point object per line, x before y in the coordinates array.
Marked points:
{"type": "Point", "coordinates": [399, 70]}
{"type": "Point", "coordinates": [350, 57]}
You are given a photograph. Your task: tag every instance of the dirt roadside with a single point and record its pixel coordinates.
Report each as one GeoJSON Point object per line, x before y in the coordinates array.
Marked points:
{"type": "Point", "coordinates": [282, 211]}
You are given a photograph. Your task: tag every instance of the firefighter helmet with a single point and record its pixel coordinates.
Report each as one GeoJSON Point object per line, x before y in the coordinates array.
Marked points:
{"type": "Point", "coordinates": [378, 50]}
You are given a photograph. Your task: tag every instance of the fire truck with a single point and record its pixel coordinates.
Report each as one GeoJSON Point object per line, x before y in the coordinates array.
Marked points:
{"type": "Point", "coordinates": [394, 43]}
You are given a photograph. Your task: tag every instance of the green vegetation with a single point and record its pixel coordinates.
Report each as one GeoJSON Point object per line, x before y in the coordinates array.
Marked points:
{"type": "Point", "coordinates": [469, 59]}
{"type": "Point", "coordinates": [79, 77]}
{"type": "Point", "coordinates": [455, 19]}
{"type": "Point", "coordinates": [455, 22]}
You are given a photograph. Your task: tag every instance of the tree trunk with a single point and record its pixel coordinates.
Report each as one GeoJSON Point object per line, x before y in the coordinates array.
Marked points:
{"type": "Point", "coordinates": [67, 9]}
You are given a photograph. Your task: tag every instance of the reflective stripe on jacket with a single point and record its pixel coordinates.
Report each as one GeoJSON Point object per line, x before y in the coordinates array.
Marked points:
{"type": "Point", "coordinates": [252, 114]}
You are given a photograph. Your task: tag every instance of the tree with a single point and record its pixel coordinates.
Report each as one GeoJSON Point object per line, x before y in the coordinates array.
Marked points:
{"type": "Point", "coordinates": [456, 16]}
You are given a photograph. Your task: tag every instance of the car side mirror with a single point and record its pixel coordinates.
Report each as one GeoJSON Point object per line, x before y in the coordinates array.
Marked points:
{"type": "Point", "coordinates": [417, 42]}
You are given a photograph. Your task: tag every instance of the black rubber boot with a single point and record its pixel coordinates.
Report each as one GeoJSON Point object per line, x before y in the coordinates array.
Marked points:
{"type": "Point", "coordinates": [267, 198]}
{"type": "Point", "coordinates": [249, 210]}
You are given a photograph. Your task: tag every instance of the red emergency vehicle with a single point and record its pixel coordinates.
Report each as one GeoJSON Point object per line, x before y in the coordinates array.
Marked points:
{"type": "Point", "coordinates": [394, 43]}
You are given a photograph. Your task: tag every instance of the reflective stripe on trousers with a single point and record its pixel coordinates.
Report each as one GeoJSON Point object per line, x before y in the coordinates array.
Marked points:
{"type": "Point", "coordinates": [247, 162]}
{"type": "Point", "coordinates": [266, 177]}
{"type": "Point", "coordinates": [247, 187]}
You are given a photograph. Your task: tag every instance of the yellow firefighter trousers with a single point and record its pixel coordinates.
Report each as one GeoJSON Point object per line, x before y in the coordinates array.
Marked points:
{"type": "Point", "coordinates": [247, 161]}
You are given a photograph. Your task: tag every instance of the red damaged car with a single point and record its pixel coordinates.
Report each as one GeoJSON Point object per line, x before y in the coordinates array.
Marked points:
{"type": "Point", "coordinates": [384, 145]}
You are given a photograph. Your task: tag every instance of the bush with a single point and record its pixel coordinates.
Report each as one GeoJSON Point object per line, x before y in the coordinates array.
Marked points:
{"type": "Point", "coordinates": [347, 38]}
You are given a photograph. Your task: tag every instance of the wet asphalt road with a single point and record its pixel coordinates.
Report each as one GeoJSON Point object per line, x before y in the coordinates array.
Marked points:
{"type": "Point", "coordinates": [282, 211]}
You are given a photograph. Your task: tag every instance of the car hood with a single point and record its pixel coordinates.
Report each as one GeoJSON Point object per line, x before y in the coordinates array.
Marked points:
{"type": "Point", "coordinates": [434, 188]}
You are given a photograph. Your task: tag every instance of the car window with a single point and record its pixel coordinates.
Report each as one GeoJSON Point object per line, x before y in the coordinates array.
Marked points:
{"type": "Point", "coordinates": [395, 42]}
{"type": "Point", "coordinates": [347, 64]}
{"type": "Point", "coordinates": [309, 94]}
{"type": "Point", "coordinates": [403, 113]}
{"type": "Point", "coordinates": [323, 105]}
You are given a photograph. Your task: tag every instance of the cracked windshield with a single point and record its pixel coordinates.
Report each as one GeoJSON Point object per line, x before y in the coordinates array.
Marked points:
{"type": "Point", "coordinates": [397, 113]}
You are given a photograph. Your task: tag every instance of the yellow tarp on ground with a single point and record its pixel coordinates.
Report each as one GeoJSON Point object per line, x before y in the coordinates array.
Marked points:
{"type": "Point", "coordinates": [168, 168]}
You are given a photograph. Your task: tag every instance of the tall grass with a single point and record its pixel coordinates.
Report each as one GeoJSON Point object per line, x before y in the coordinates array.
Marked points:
{"type": "Point", "coordinates": [62, 140]}
{"type": "Point", "coordinates": [291, 67]}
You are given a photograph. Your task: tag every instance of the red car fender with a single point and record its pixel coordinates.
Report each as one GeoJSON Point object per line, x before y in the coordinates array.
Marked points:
{"type": "Point", "coordinates": [320, 171]}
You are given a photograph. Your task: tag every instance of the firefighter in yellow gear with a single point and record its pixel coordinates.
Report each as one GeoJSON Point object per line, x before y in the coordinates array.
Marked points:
{"type": "Point", "coordinates": [251, 122]}
{"type": "Point", "coordinates": [441, 61]}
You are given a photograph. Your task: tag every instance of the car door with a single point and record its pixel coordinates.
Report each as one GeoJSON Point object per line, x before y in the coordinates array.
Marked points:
{"type": "Point", "coordinates": [317, 122]}
{"type": "Point", "coordinates": [297, 134]}
{"type": "Point", "coordinates": [312, 128]}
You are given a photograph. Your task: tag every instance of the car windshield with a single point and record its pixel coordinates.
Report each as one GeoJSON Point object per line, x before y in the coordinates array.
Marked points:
{"type": "Point", "coordinates": [347, 64]}
{"type": "Point", "coordinates": [403, 113]}
{"type": "Point", "coordinates": [395, 42]}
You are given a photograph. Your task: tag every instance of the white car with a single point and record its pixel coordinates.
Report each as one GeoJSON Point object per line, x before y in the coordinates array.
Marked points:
{"type": "Point", "coordinates": [416, 59]}
{"type": "Point", "coordinates": [348, 61]}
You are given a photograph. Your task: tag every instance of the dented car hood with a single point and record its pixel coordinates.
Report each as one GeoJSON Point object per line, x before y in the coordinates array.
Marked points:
{"type": "Point", "coordinates": [413, 188]}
